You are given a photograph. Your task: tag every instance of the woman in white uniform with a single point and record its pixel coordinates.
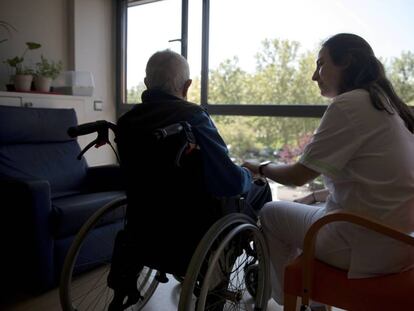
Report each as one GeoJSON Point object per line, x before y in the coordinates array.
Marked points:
{"type": "Point", "coordinates": [364, 150]}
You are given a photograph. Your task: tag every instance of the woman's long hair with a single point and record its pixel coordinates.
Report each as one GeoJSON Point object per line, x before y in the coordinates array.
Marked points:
{"type": "Point", "coordinates": [364, 71]}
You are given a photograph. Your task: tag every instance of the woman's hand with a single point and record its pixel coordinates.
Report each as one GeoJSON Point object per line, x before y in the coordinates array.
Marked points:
{"type": "Point", "coordinates": [314, 197]}
{"type": "Point", "coordinates": [307, 199]}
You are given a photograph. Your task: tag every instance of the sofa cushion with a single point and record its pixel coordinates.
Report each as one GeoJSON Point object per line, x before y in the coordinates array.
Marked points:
{"type": "Point", "coordinates": [70, 213]}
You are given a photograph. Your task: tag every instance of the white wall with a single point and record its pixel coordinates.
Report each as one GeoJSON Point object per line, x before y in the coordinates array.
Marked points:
{"type": "Point", "coordinates": [94, 51]}
{"type": "Point", "coordinates": [42, 21]}
{"type": "Point", "coordinates": [78, 32]}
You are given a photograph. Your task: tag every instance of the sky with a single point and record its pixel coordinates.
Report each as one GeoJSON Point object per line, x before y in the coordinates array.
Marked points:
{"type": "Point", "coordinates": [237, 28]}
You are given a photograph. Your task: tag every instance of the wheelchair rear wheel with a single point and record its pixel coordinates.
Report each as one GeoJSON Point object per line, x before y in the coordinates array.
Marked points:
{"type": "Point", "coordinates": [83, 284]}
{"type": "Point", "coordinates": [219, 275]}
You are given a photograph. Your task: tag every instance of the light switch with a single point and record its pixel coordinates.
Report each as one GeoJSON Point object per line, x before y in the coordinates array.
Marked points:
{"type": "Point", "coordinates": [98, 105]}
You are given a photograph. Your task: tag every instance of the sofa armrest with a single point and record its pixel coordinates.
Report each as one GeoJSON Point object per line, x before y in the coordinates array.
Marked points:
{"type": "Point", "coordinates": [26, 240]}
{"type": "Point", "coordinates": [104, 178]}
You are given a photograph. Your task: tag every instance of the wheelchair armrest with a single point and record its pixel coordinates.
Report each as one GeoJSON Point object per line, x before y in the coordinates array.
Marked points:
{"type": "Point", "coordinates": [25, 229]}
{"type": "Point", "coordinates": [104, 178]}
{"type": "Point", "coordinates": [335, 216]}
{"type": "Point", "coordinates": [233, 204]}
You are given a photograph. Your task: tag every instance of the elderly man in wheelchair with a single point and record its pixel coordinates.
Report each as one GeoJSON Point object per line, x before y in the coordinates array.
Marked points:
{"type": "Point", "coordinates": [179, 181]}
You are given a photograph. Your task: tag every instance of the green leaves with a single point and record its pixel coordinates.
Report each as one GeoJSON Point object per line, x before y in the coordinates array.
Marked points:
{"type": "Point", "coordinates": [22, 70]}
{"type": "Point", "coordinates": [13, 62]}
{"type": "Point", "coordinates": [33, 45]}
{"type": "Point", "coordinates": [401, 73]}
{"type": "Point", "coordinates": [49, 69]}
{"type": "Point", "coordinates": [17, 62]}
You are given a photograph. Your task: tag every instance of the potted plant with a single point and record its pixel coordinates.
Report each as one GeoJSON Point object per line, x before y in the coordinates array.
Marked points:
{"type": "Point", "coordinates": [23, 79]}
{"type": "Point", "coordinates": [22, 75]}
{"type": "Point", "coordinates": [46, 72]}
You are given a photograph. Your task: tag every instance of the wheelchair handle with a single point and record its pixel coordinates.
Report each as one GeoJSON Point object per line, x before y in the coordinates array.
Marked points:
{"type": "Point", "coordinates": [164, 132]}
{"type": "Point", "coordinates": [101, 127]}
{"type": "Point", "coordinates": [91, 127]}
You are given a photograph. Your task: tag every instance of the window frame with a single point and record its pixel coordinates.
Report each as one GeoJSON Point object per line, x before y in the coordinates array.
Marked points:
{"type": "Point", "coordinates": [271, 110]}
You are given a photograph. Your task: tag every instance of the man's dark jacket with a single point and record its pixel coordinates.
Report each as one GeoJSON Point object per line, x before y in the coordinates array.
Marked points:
{"type": "Point", "coordinates": [170, 208]}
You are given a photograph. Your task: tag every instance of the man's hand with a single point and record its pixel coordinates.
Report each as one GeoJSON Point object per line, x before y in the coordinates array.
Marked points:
{"type": "Point", "coordinates": [252, 166]}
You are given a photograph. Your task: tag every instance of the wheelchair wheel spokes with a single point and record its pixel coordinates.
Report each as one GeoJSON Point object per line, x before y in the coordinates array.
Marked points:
{"type": "Point", "coordinates": [228, 263]}
{"type": "Point", "coordinates": [89, 290]}
{"type": "Point", "coordinates": [84, 277]}
{"type": "Point", "coordinates": [216, 275]}
{"type": "Point", "coordinates": [231, 295]}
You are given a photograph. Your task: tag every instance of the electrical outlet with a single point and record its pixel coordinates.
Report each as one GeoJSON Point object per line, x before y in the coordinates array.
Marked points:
{"type": "Point", "coordinates": [98, 105]}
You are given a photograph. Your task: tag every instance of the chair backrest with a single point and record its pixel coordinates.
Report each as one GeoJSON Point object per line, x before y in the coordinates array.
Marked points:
{"type": "Point", "coordinates": [34, 145]}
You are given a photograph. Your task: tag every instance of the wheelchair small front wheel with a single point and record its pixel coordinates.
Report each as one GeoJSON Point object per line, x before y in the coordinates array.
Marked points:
{"type": "Point", "coordinates": [251, 279]}
{"type": "Point", "coordinates": [178, 278]}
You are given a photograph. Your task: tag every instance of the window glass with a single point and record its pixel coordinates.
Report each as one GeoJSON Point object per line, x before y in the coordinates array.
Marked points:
{"type": "Point", "coordinates": [280, 140]}
{"type": "Point", "coordinates": [194, 48]}
{"type": "Point", "coordinates": [151, 27]}
{"type": "Point", "coordinates": [263, 52]}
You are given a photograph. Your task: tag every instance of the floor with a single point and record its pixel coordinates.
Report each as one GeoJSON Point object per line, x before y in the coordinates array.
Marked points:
{"type": "Point", "coordinates": [165, 298]}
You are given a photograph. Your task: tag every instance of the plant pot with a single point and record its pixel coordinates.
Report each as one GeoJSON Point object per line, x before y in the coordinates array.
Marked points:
{"type": "Point", "coordinates": [22, 83]}
{"type": "Point", "coordinates": [10, 87]}
{"type": "Point", "coordinates": [42, 84]}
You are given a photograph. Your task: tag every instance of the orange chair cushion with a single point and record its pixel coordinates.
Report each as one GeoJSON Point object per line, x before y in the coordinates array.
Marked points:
{"type": "Point", "coordinates": [332, 286]}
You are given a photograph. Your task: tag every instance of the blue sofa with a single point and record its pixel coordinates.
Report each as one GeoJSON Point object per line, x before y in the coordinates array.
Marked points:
{"type": "Point", "coordinates": [46, 194]}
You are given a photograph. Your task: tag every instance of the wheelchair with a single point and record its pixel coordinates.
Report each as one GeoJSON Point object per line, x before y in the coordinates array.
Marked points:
{"type": "Point", "coordinates": [229, 269]}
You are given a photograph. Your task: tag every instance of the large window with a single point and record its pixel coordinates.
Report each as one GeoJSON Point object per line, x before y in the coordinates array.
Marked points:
{"type": "Point", "coordinates": [251, 61]}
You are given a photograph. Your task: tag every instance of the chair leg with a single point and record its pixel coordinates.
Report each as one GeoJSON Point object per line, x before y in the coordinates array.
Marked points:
{"type": "Point", "coordinates": [289, 303]}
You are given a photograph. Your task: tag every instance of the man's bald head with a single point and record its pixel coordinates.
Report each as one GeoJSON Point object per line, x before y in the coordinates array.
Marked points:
{"type": "Point", "coordinates": [169, 72]}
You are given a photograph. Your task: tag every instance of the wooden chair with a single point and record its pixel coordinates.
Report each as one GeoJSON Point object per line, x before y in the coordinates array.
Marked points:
{"type": "Point", "coordinates": [309, 278]}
